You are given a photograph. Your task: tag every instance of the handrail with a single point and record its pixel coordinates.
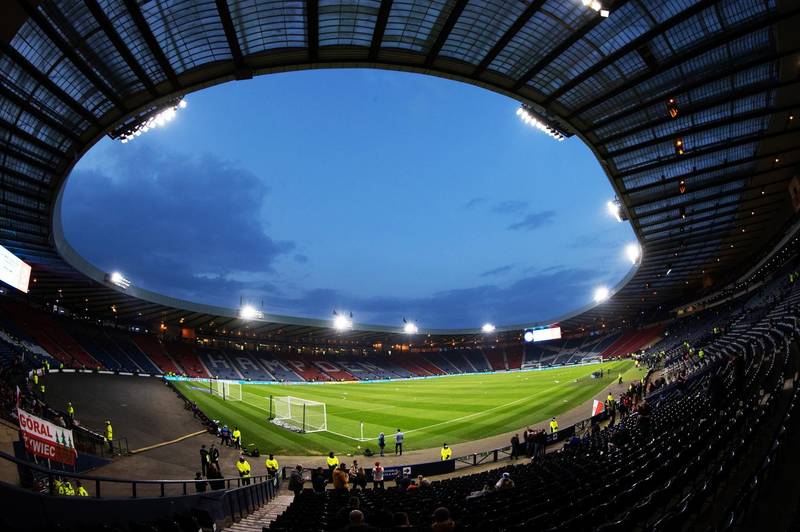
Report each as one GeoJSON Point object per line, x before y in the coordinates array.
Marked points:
{"type": "Point", "coordinates": [52, 474]}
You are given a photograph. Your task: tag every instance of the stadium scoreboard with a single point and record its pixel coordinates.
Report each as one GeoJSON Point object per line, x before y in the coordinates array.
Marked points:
{"type": "Point", "coordinates": [13, 271]}
{"type": "Point", "coordinates": [541, 334]}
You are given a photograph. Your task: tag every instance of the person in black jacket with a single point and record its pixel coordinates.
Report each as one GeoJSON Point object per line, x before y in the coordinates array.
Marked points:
{"type": "Point", "coordinates": [200, 487]}
{"type": "Point", "coordinates": [215, 477]}
{"type": "Point", "coordinates": [203, 460]}
{"type": "Point", "coordinates": [318, 480]}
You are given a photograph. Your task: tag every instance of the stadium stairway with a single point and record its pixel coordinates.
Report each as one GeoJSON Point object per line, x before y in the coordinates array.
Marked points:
{"type": "Point", "coordinates": [262, 518]}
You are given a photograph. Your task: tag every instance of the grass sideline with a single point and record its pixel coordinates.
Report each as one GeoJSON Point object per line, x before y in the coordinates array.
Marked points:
{"type": "Point", "coordinates": [450, 409]}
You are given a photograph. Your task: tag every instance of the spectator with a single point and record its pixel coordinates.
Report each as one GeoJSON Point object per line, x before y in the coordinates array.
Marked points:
{"type": "Point", "coordinates": [361, 477]}
{"type": "Point", "coordinates": [515, 446]}
{"type": "Point", "coordinates": [422, 482]}
{"type": "Point", "coordinates": [400, 520]}
{"type": "Point", "coordinates": [343, 515]}
{"type": "Point", "coordinates": [201, 485]}
{"type": "Point", "coordinates": [377, 476]}
{"type": "Point", "coordinates": [214, 476]}
{"type": "Point", "coordinates": [504, 483]}
{"type": "Point", "coordinates": [402, 482]}
{"type": "Point", "coordinates": [356, 521]}
{"type": "Point", "coordinates": [318, 480]}
{"type": "Point", "coordinates": [213, 456]}
{"type": "Point", "coordinates": [296, 480]}
{"type": "Point", "coordinates": [340, 478]}
{"type": "Point", "coordinates": [398, 442]}
{"type": "Point", "coordinates": [442, 521]}
{"type": "Point", "coordinates": [203, 460]}
{"type": "Point", "coordinates": [381, 442]}
{"type": "Point", "coordinates": [80, 491]}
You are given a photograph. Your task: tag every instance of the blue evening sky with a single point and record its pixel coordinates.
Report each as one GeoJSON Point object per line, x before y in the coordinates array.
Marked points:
{"type": "Point", "coordinates": [385, 194]}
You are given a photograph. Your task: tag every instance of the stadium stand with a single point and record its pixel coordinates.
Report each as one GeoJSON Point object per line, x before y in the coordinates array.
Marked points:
{"type": "Point", "coordinates": [496, 358]}
{"type": "Point", "coordinates": [151, 346]}
{"type": "Point", "coordinates": [184, 354]}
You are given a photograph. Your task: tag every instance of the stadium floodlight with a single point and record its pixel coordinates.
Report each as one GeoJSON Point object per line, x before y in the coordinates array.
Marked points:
{"type": "Point", "coordinates": [528, 336]}
{"type": "Point", "coordinates": [157, 116]}
{"type": "Point", "coordinates": [342, 322]}
{"type": "Point", "coordinates": [615, 209]}
{"type": "Point", "coordinates": [596, 6]}
{"type": "Point", "coordinates": [410, 327]}
{"type": "Point", "coordinates": [527, 114]}
{"type": "Point", "coordinates": [249, 312]}
{"type": "Point", "coordinates": [116, 278]}
{"type": "Point", "coordinates": [488, 328]}
{"type": "Point", "coordinates": [633, 252]}
{"type": "Point", "coordinates": [601, 293]}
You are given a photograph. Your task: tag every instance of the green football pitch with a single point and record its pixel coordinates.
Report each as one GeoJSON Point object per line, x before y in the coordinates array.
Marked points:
{"type": "Point", "coordinates": [449, 409]}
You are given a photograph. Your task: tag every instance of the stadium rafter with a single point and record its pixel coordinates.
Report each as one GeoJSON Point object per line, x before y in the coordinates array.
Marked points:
{"type": "Point", "coordinates": [73, 71]}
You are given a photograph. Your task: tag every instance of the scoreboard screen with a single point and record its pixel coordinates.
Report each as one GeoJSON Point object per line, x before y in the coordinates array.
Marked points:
{"type": "Point", "coordinates": [13, 271]}
{"type": "Point", "coordinates": [541, 334]}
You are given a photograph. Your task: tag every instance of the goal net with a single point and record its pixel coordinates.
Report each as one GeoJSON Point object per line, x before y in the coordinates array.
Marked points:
{"type": "Point", "coordinates": [230, 391]}
{"type": "Point", "coordinates": [299, 415]}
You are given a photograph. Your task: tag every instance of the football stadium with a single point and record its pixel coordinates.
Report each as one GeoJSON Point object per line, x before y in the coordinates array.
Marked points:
{"type": "Point", "coordinates": [306, 265]}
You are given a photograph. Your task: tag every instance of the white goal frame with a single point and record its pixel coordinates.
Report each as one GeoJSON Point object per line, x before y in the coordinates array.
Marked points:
{"type": "Point", "coordinates": [300, 415]}
{"type": "Point", "coordinates": [226, 390]}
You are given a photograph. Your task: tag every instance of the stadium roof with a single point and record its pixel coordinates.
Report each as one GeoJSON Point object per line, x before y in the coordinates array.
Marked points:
{"type": "Point", "coordinates": [703, 209]}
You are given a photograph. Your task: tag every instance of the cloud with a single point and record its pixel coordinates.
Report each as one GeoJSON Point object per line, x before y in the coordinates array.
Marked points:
{"type": "Point", "coordinates": [509, 206]}
{"type": "Point", "coordinates": [300, 258]}
{"type": "Point", "coordinates": [150, 214]}
{"type": "Point", "coordinates": [497, 271]}
{"type": "Point", "coordinates": [474, 203]}
{"type": "Point", "coordinates": [533, 221]}
{"type": "Point", "coordinates": [545, 295]}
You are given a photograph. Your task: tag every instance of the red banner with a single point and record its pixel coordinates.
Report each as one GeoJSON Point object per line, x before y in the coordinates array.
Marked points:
{"type": "Point", "coordinates": [46, 440]}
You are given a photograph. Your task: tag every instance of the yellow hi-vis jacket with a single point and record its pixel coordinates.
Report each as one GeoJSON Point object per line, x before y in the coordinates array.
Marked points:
{"type": "Point", "coordinates": [272, 464]}
{"type": "Point", "coordinates": [70, 410]}
{"type": "Point", "coordinates": [447, 452]}
{"type": "Point", "coordinates": [68, 489]}
{"type": "Point", "coordinates": [237, 434]}
{"type": "Point", "coordinates": [244, 468]}
{"type": "Point", "coordinates": [82, 492]}
{"type": "Point", "coordinates": [332, 462]}
{"type": "Point", "coordinates": [553, 426]}
{"type": "Point", "coordinates": [610, 398]}
{"type": "Point", "coordinates": [109, 432]}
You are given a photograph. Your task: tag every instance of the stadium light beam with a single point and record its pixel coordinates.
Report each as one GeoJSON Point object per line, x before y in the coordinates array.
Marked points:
{"type": "Point", "coordinates": [601, 294]}
{"type": "Point", "coordinates": [116, 278]}
{"type": "Point", "coordinates": [410, 328]}
{"type": "Point", "coordinates": [488, 328]}
{"type": "Point", "coordinates": [633, 252]}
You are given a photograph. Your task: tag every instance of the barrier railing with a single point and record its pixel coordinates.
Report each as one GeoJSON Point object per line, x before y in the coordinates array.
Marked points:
{"type": "Point", "coordinates": [43, 480]}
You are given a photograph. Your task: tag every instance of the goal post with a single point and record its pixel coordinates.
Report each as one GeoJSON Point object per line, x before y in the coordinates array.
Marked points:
{"type": "Point", "coordinates": [300, 415]}
{"type": "Point", "coordinates": [227, 390]}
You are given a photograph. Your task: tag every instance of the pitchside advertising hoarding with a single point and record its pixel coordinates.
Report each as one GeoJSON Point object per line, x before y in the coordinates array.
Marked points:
{"type": "Point", "coordinates": [13, 271]}
{"type": "Point", "coordinates": [46, 440]}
